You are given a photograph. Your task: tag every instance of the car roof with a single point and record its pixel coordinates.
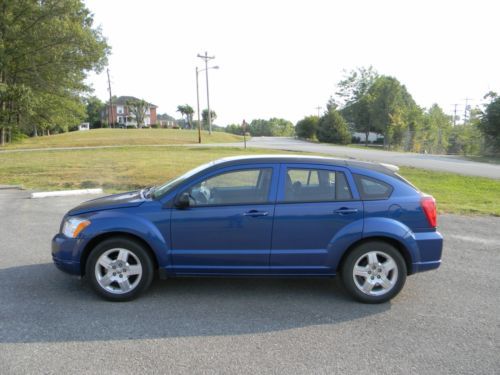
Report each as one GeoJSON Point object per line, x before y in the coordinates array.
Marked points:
{"type": "Point", "coordinates": [306, 159]}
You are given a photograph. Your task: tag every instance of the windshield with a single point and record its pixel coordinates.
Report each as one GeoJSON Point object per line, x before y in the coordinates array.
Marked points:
{"type": "Point", "coordinates": [169, 185]}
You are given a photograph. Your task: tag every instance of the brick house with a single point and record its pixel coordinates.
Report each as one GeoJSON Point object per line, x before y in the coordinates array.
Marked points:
{"type": "Point", "coordinates": [122, 116]}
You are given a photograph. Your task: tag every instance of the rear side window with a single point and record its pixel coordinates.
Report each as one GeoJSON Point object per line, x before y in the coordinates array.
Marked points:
{"type": "Point", "coordinates": [315, 185]}
{"type": "Point", "coordinates": [371, 188]}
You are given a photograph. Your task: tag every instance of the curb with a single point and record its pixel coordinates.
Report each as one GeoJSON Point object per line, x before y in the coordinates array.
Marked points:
{"type": "Point", "coordinates": [9, 187]}
{"type": "Point", "coordinates": [65, 193]}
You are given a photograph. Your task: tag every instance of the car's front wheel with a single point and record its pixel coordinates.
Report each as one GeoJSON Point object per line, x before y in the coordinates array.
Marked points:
{"type": "Point", "coordinates": [119, 269]}
{"type": "Point", "coordinates": [374, 272]}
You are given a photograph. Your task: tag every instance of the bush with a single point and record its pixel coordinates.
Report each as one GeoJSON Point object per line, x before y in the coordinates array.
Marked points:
{"type": "Point", "coordinates": [154, 126]}
{"type": "Point", "coordinates": [332, 128]}
{"type": "Point", "coordinates": [307, 127]}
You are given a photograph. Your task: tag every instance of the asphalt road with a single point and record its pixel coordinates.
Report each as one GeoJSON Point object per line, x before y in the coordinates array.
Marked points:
{"type": "Point", "coordinates": [443, 322]}
{"type": "Point", "coordinates": [443, 163]}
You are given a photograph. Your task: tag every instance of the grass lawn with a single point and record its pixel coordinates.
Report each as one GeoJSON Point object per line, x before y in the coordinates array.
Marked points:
{"type": "Point", "coordinates": [126, 168]}
{"type": "Point", "coordinates": [456, 193]}
{"type": "Point", "coordinates": [124, 137]}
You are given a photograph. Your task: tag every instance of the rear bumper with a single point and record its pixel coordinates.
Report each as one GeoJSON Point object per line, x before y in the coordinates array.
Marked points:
{"type": "Point", "coordinates": [430, 246]}
{"type": "Point", "coordinates": [63, 250]}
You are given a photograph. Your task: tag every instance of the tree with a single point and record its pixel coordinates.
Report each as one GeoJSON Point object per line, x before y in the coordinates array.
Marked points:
{"type": "Point", "coordinates": [392, 110]}
{"type": "Point", "coordinates": [188, 111]}
{"type": "Point", "coordinates": [353, 93]}
{"type": "Point", "coordinates": [281, 127]}
{"type": "Point", "coordinates": [138, 108]}
{"type": "Point", "coordinates": [332, 128]}
{"type": "Point", "coordinates": [204, 117]}
{"type": "Point", "coordinates": [307, 127]}
{"type": "Point", "coordinates": [435, 131]}
{"type": "Point", "coordinates": [46, 48]}
{"type": "Point", "coordinates": [93, 108]}
{"type": "Point", "coordinates": [234, 129]}
{"type": "Point", "coordinates": [490, 124]}
{"type": "Point", "coordinates": [355, 84]}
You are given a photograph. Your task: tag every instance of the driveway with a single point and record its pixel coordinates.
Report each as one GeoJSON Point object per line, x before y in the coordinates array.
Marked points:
{"type": "Point", "coordinates": [443, 322]}
{"type": "Point", "coordinates": [443, 163]}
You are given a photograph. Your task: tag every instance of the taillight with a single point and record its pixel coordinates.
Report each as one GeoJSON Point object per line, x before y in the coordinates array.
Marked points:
{"type": "Point", "coordinates": [428, 204]}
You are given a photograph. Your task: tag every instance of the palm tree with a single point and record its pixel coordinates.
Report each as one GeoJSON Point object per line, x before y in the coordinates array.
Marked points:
{"type": "Point", "coordinates": [188, 111]}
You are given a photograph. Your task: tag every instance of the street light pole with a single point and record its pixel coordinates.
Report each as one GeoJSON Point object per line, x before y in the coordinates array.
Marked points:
{"type": "Point", "coordinates": [198, 106]}
{"type": "Point", "coordinates": [206, 58]}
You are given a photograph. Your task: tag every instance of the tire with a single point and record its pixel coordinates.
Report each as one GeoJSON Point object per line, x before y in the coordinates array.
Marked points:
{"type": "Point", "coordinates": [119, 269]}
{"type": "Point", "coordinates": [374, 272]}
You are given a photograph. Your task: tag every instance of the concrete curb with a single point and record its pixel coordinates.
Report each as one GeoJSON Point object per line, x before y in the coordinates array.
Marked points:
{"type": "Point", "coordinates": [65, 193]}
{"type": "Point", "coordinates": [9, 187]}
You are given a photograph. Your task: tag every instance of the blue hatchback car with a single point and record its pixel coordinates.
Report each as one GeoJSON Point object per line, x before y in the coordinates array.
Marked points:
{"type": "Point", "coordinates": [257, 216]}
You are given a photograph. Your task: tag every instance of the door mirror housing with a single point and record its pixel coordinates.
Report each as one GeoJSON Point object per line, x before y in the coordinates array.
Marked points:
{"type": "Point", "coordinates": [182, 201]}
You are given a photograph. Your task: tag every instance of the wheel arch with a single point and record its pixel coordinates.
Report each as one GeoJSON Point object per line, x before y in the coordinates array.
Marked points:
{"type": "Point", "coordinates": [116, 234]}
{"type": "Point", "coordinates": [399, 246]}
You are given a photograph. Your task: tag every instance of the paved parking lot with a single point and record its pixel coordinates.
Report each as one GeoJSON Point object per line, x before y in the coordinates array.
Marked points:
{"type": "Point", "coordinates": [446, 321]}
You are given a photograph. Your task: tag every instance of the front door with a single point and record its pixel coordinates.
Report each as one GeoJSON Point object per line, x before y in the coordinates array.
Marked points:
{"type": "Point", "coordinates": [314, 204]}
{"type": "Point", "coordinates": [227, 227]}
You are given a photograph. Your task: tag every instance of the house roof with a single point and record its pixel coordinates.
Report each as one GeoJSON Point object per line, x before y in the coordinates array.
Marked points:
{"type": "Point", "coordinates": [122, 100]}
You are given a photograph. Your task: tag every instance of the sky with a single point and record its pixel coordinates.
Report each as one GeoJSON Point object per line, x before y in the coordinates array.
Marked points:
{"type": "Point", "coordinates": [284, 58]}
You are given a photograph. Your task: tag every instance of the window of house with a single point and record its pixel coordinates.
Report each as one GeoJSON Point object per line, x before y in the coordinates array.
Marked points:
{"type": "Point", "coordinates": [316, 185]}
{"type": "Point", "coordinates": [235, 187]}
{"type": "Point", "coordinates": [371, 188]}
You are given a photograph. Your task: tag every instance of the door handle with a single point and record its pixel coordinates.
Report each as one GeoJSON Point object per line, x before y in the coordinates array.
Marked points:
{"type": "Point", "coordinates": [345, 211]}
{"type": "Point", "coordinates": [255, 213]}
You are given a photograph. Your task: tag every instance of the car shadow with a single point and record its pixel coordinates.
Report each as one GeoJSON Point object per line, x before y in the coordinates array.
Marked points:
{"type": "Point", "coordinates": [41, 304]}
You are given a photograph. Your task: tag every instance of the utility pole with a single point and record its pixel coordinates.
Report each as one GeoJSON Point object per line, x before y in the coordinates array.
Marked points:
{"type": "Point", "coordinates": [465, 110]}
{"type": "Point", "coordinates": [198, 106]}
{"type": "Point", "coordinates": [319, 109]}
{"type": "Point", "coordinates": [206, 58]}
{"type": "Point", "coordinates": [110, 114]}
{"type": "Point", "coordinates": [455, 115]}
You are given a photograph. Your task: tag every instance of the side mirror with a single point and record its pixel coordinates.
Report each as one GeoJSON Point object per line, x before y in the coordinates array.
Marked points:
{"type": "Point", "coordinates": [182, 201]}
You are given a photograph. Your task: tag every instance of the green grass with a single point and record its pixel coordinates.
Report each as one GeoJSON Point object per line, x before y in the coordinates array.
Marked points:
{"type": "Point", "coordinates": [126, 168]}
{"type": "Point", "coordinates": [456, 193]}
{"type": "Point", "coordinates": [114, 169]}
{"type": "Point", "coordinates": [124, 137]}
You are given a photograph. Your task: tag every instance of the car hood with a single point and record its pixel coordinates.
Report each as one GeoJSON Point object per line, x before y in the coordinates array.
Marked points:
{"type": "Point", "coordinates": [130, 199]}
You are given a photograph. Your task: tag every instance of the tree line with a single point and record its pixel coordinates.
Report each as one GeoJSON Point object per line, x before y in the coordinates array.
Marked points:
{"type": "Point", "coordinates": [368, 102]}
{"type": "Point", "coordinates": [46, 50]}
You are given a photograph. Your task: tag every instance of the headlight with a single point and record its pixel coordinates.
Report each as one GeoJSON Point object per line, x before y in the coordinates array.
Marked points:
{"type": "Point", "coordinates": [73, 226]}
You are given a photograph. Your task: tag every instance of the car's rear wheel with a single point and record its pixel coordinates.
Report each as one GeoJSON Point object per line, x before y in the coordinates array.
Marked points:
{"type": "Point", "coordinates": [374, 272]}
{"type": "Point", "coordinates": [119, 269]}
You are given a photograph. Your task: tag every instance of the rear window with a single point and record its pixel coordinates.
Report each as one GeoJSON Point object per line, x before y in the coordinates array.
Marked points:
{"type": "Point", "coordinates": [370, 188]}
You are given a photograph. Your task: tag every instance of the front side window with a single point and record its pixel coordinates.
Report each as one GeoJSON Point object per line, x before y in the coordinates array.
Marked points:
{"type": "Point", "coordinates": [371, 188]}
{"type": "Point", "coordinates": [315, 185]}
{"type": "Point", "coordinates": [236, 187]}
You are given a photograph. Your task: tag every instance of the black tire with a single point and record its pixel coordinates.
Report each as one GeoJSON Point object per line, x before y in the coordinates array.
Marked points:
{"type": "Point", "coordinates": [359, 255]}
{"type": "Point", "coordinates": [136, 255]}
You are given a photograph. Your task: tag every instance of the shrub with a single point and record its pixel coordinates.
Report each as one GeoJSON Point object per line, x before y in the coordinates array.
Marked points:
{"type": "Point", "coordinates": [332, 128]}
{"type": "Point", "coordinates": [307, 127]}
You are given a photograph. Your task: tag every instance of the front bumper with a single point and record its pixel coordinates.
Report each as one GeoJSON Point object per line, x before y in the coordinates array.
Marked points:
{"type": "Point", "coordinates": [65, 254]}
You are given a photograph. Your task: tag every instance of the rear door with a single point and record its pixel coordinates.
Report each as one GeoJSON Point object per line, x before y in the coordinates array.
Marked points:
{"type": "Point", "coordinates": [314, 203]}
